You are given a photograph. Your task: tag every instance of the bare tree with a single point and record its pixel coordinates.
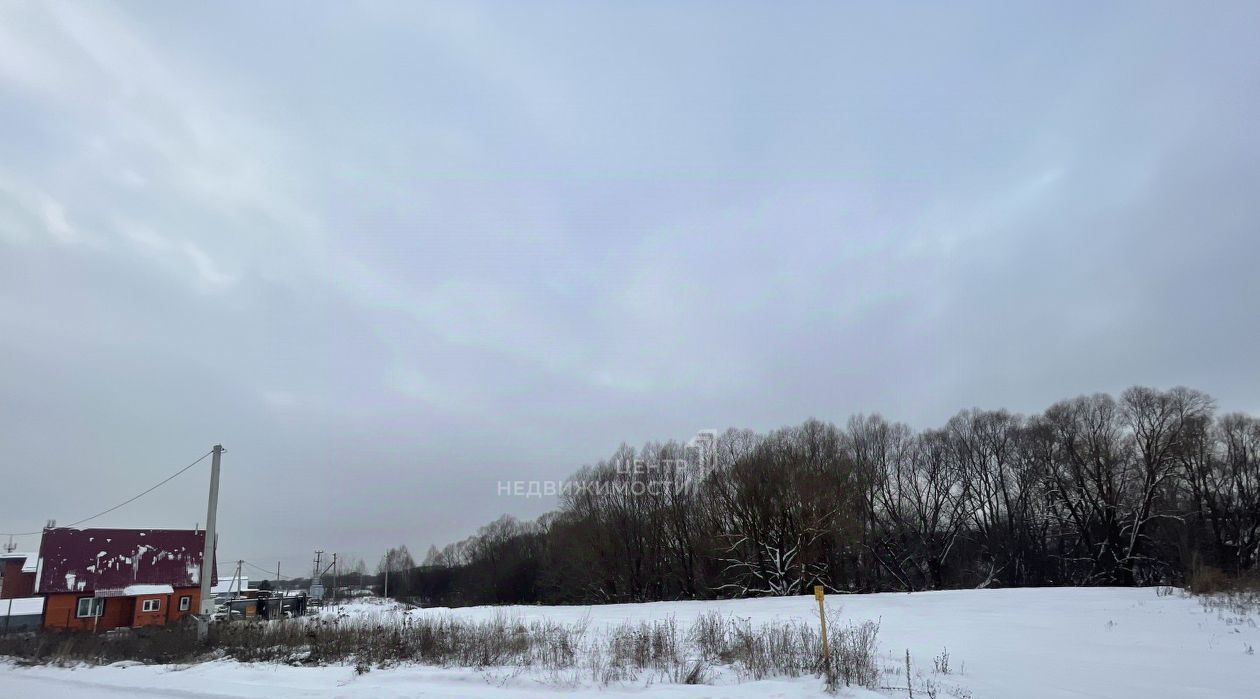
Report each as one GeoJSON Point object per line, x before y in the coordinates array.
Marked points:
{"type": "Point", "coordinates": [1001, 489]}
{"type": "Point", "coordinates": [1222, 473]}
{"type": "Point", "coordinates": [1162, 426]}
{"type": "Point", "coordinates": [1094, 490]}
{"type": "Point", "coordinates": [783, 501]}
{"type": "Point", "coordinates": [395, 568]}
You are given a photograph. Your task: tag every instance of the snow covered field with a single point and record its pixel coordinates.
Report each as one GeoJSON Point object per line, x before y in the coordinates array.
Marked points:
{"type": "Point", "coordinates": [1030, 643]}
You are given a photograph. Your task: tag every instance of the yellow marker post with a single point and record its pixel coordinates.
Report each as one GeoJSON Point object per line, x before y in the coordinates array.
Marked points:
{"type": "Point", "coordinates": [822, 619]}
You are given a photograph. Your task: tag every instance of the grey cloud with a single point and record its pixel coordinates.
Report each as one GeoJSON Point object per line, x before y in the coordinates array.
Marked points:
{"type": "Point", "coordinates": [392, 254]}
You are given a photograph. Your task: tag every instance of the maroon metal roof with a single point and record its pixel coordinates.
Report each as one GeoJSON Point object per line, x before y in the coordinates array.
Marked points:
{"type": "Point", "coordinates": [84, 560]}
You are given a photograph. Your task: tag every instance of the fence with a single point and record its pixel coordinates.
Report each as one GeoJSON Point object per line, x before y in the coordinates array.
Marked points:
{"type": "Point", "coordinates": [21, 614]}
{"type": "Point", "coordinates": [264, 607]}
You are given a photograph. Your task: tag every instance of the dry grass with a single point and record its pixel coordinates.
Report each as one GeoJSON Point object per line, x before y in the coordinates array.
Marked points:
{"type": "Point", "coordinates": [1206, 580]}
{"type": "Point", "coordinates": [1234, 599]}
{"type": "Point", "coordinates": [657, 651]}
{"type": "Point", "coordinates": [174, 644]}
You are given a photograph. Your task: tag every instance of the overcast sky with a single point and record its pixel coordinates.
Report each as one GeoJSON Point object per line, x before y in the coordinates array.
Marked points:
{"type": "Point", "coordinates": [390, 255]}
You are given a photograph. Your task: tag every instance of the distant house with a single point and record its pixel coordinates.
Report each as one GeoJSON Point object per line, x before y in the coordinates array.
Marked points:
{"type": "Point", "coordinates": [233, 586]}
{"type": "Point", "coordinates": [17, 575]}
{"type": "Point", "coordinates": [100, 579]}
{"type": "Point", "coordinates": [19, 610]}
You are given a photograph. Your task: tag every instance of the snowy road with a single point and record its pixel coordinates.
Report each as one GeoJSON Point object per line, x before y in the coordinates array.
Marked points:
{"type": "Point", "coordinates": [1064, 643]}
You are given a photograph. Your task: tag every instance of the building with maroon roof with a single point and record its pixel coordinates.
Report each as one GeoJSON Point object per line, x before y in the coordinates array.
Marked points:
{"type": "Point", "coordinates": [100, 579]}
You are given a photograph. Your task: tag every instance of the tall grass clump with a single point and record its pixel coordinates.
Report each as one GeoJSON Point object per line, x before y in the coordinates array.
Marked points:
{"type": "Point", "coordinates": [1236, 595]}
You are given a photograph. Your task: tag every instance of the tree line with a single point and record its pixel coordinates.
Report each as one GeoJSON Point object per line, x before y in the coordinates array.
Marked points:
{"type": "Point", "coordinates": [1096, 490]}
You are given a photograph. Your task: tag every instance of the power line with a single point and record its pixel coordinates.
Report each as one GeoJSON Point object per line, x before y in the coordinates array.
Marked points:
{"type": "Point", "coordinates": [268, 572]}
{"type": "Point", "coordinates": [125, 502]}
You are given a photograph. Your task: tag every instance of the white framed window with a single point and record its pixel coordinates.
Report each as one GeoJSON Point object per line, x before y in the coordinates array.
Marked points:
{"type": "Point", "coordinates": [151, 605]}
{"type": "Point", "coordinates": [89, 607]}
{"type": "Point", "coordinates": [185, 603]}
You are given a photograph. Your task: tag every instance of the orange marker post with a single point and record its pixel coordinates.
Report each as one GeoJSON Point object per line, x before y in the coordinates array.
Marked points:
{"type": "Point", "coordinates": [822, 619]}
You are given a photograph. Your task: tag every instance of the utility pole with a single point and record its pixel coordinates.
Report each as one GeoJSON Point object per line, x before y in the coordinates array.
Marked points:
{"type": "Point", "coordinates": [317, 581]}
{"type": "Point", "coordinates": [207, 556]}
{"type": "Point", "coordinates": [277, 575]}
{"type": "Point", "coordinates": [334, 577]}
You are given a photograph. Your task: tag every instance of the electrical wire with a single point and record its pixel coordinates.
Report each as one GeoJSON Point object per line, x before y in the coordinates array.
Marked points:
{"type": "Point", "coordinates": [161, 483]}
{"type": "Point", "coordinates": [268, 572]}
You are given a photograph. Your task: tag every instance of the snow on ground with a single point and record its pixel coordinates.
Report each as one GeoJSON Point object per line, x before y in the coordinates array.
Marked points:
{"type": "Point", "coordinates": [1058, 643]}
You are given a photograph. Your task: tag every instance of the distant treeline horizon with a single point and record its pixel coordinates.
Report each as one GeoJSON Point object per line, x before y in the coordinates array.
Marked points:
{"type": "Point", "coordinates": [1146, 488]}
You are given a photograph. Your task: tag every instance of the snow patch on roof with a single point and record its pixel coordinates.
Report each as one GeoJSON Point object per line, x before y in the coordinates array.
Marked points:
{"type": "Point", "coordinates": [232, 584]}
{"type": "Point", "coordinates": [136, 591]}
{"type": "Point", "coordinates": [118, 558]}
{"type": "Point", "coordinates": [28, 565]}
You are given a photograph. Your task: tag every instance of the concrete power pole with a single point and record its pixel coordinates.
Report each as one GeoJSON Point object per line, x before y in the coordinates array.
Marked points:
{"type": "Point", "coordinates": [317, 577]}
{"type": "Point", "coordinates": [207, 556]}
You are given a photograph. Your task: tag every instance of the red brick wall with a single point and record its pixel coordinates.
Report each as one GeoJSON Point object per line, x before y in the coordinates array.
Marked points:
{"type": "Point", "coordinates": [172, 610]}
{"type": "Point", "coordinates": [158, 616]}
{"type": "Point", "coordinates": [59, 610]}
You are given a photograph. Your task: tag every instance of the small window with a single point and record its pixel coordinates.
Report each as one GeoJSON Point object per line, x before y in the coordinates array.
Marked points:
{"type": "Point", "coordinates": [185, 603]}
{"type": "Point", "coordinates": [150, 605]}
{"type": "Point", "coordinates": [89, 607]}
